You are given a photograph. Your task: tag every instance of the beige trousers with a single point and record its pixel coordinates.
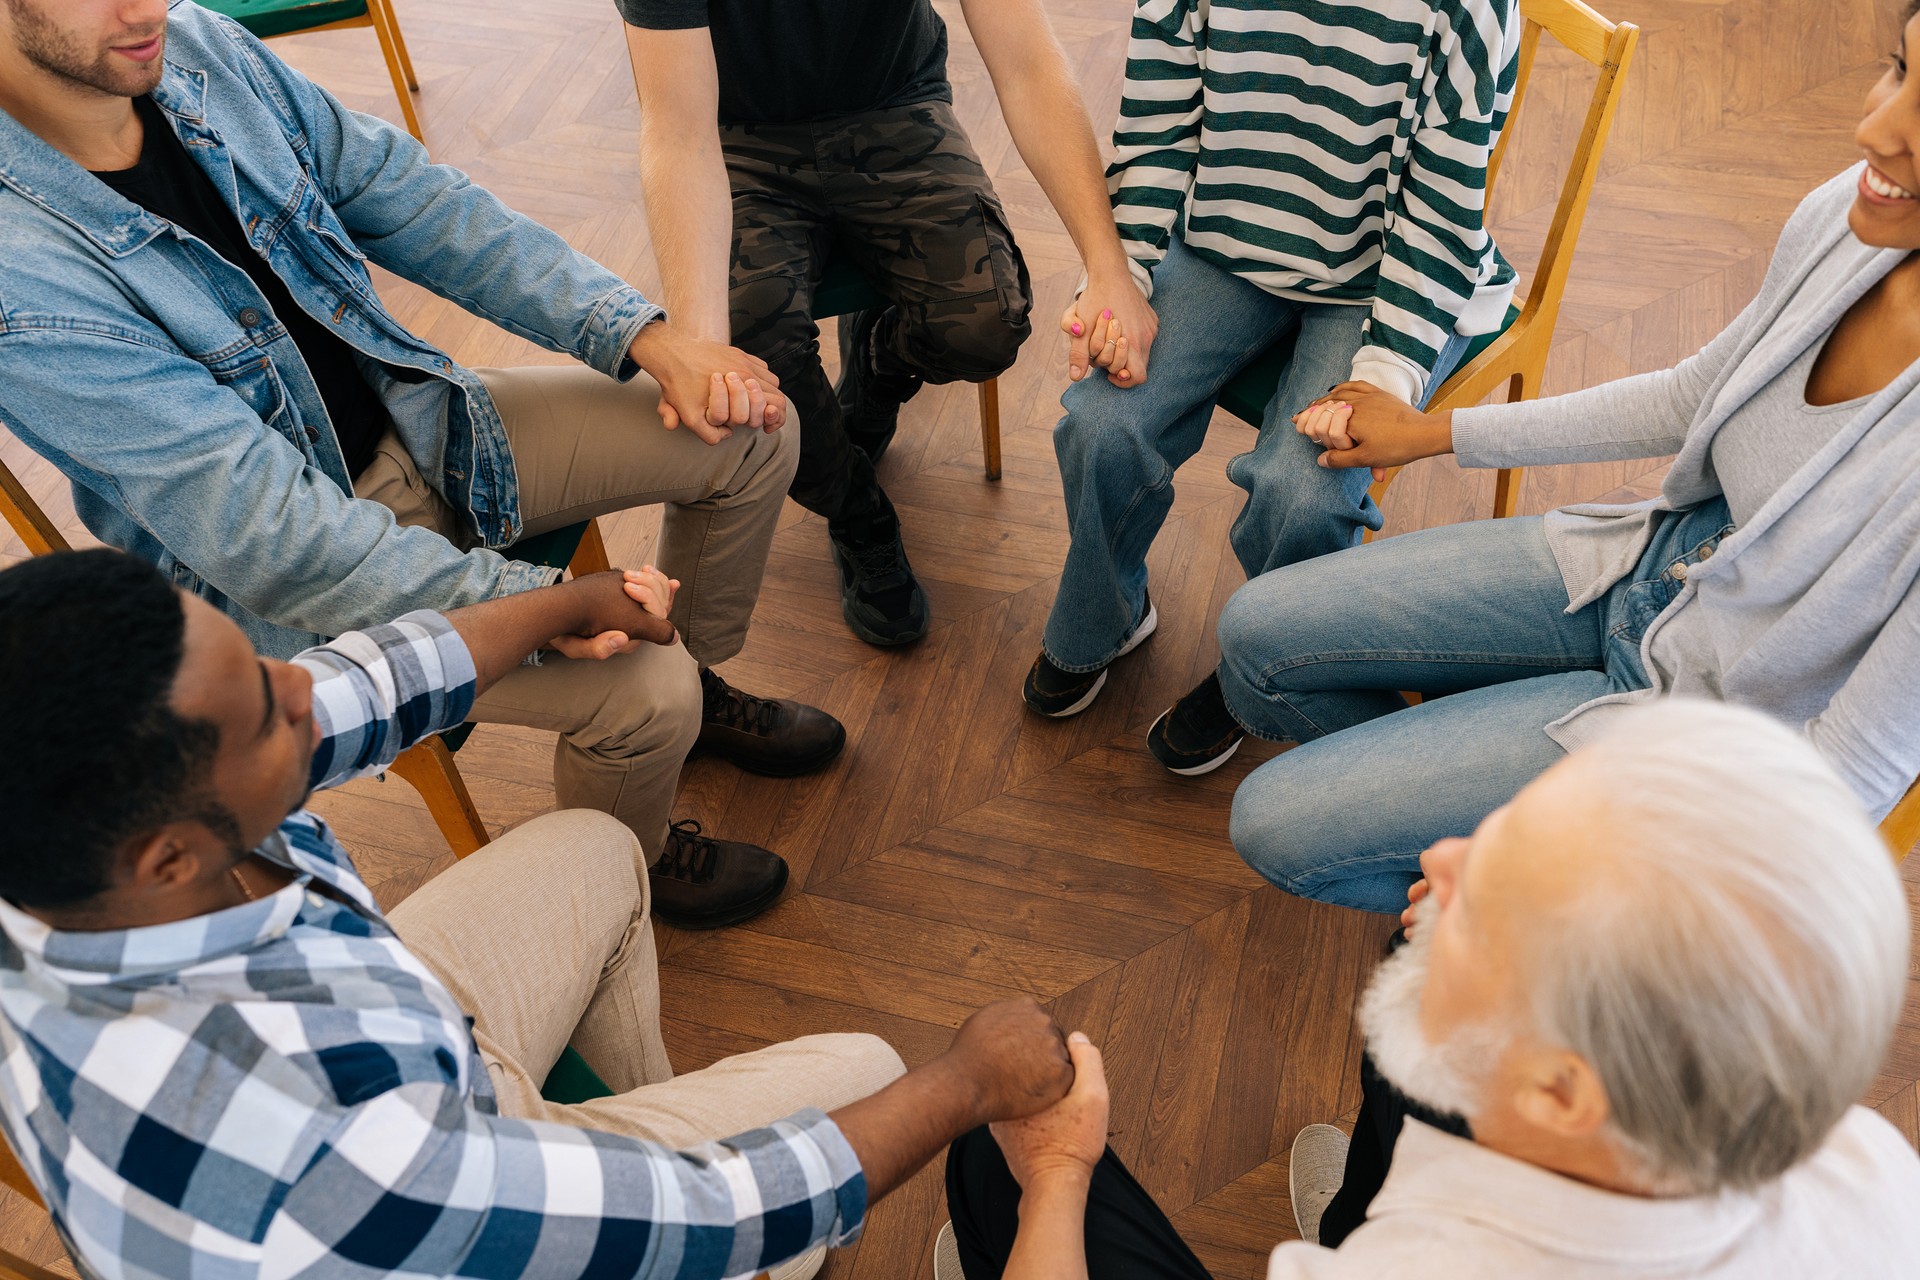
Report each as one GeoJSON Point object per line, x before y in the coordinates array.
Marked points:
{"type": "Point", "coordinates": [543, 938]}
{"type": "Point", "coordinates": [585, 445]}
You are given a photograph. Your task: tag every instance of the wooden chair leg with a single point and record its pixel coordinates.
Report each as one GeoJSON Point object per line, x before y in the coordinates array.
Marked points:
{"type": "Point", "coordinates": [990, 426]}
{"type": "Point", "coordinates": [1378, 492]}
{"type": "Point", "coordinates": [1506, 491]}
{"type": "Point", "coordinates": [384, 34]}
{"type": "Point", "coordinates": [429, 767]}
{"type": "Point", "coordinates": [383, 9]}
{"type": "Point", "coordinates": [591, 555]}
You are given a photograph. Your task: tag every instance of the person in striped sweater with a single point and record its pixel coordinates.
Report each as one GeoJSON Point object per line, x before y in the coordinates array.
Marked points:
{"type": "Point", "coordinates": [1310, 172]}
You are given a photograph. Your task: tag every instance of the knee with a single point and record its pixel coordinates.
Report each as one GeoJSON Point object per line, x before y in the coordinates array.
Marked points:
{"type": "Point", "coordinates": [1245, 632]}
{"type": "Point", "coordinates": [653, 703]}
{"type": "Point", "coordinates": [1272, 832]}
{"type": "Point", "coordinates": [1098, 432]}
{"type": "Point", "coordinates": [602, 855]}
{"type": "Point", "coordinates": [971, 342]}
{"type": "Point", "coordinates": [862, 1065]}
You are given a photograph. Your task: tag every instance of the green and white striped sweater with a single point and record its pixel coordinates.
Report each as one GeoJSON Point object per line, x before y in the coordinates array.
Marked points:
{"type": "Point", "coordinates": [1325, 150]}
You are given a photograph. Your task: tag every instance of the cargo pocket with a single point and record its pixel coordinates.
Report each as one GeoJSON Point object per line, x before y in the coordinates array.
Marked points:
{"type": "Point", "coordinates": [1009, 268]}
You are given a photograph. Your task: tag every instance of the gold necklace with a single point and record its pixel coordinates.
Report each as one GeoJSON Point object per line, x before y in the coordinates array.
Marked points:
{"type": "Point", "coordinates": [240, 880]}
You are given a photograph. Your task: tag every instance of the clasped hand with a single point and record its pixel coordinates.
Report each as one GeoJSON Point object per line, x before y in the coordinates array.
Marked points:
{"type": "Point", "coordinates": [1110, 326]}
{"type": "Point", "coordinates": [708, 387]}
{"type": "Point", "coordinates": [620, 609]}
{"type": "Point", "coordinates": [1359, 425]}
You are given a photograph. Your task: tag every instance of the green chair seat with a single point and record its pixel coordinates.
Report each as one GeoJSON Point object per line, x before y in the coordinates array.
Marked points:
{"type": "Point", "coordinates": [572, 1080]}
{"type": "Point", "coordinates": [279, 17]}
{"type": "Point", "coordinates": [843, 291]}
{"type": "Point", "coordinates": [1246, 396]}
{"type": "Point", "coordinates": [554, 549]}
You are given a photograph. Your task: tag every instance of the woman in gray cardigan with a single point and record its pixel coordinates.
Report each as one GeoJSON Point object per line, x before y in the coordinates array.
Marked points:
{"type": "Point", "coordinates": [1779, 568]}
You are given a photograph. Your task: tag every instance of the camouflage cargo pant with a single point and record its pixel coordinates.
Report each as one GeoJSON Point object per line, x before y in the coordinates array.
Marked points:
{"type": "Point", "coordinates": [901, 195]}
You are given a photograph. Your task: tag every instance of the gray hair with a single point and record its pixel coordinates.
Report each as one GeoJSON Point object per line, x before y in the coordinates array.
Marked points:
{"type": "Point", "coordinates": [1735, 972]}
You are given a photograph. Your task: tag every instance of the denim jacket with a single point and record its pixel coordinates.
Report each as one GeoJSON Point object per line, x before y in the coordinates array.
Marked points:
{"type": "Point", "coordinates": [152, 373]}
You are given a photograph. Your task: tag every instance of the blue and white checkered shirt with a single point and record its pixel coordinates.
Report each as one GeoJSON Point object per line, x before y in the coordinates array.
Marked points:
{"type": "Point", "coordinates": [281, 1089]}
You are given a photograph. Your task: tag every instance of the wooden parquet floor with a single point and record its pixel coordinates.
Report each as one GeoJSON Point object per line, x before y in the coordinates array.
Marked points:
{"type": "Point", "coordinates": [963, 850]}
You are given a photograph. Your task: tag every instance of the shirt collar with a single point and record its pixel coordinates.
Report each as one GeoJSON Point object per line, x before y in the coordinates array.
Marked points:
{"type": "Point", "coordinates": [48, 178]}
{"type": "Point", "coordinates": [1437, 1173]}
{"type": "Point", "coordinates": [98, 957]}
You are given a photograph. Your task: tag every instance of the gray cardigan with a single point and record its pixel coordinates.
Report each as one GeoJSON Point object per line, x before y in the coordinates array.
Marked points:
{"type": "Point", "coordinates": [1808, 612]}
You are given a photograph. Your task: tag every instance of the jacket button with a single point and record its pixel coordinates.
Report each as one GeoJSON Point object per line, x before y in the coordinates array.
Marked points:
{"type": "Point", "coordinates": [1680, 572]}
{"type": "Point", "coordinates": [249, 317]}
{"type": "Point", "coordinates": [313, 434]}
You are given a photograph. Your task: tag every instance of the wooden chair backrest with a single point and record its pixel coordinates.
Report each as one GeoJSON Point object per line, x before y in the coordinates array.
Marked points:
{"type": "Point", "coordinates": [1608, 46]}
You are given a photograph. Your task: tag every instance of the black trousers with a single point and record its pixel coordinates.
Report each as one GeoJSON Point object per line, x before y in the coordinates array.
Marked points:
{"type": "Point", "coordinates": [901, 194]}
{"type": "Point", "coordinates": [1128, 1237]}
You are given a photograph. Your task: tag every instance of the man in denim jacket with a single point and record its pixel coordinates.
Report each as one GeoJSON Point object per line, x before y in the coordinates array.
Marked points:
{"type": "Point", "coordinates": [310, 467]}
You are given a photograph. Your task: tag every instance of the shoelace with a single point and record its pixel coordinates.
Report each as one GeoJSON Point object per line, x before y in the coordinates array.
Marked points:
{"type": "Point", "coordinates": [727, 705]}
{"type": "Point", "coordinates": [689, 856]}
{"type": "Point", "coordinates": [878, 564]}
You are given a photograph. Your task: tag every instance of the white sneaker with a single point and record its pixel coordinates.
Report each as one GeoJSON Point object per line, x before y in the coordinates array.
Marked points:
{"type": "Point", "coordinates": [946, 1256]}
{"type": "Point", "coordinates": [804, 1267]}
{"type": "Point", "coordinates": [1314, 1173]}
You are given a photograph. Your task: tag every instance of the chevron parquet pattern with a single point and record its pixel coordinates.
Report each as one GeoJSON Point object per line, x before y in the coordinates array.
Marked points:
{"type": "Point", "coordinates": [963, 850]}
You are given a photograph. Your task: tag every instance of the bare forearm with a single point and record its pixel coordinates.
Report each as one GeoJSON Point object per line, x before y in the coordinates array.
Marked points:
{"type": "Point", "coordinates": [1049, 125]}
{"type": "Point", "coordinates": [896, 1131]}
{"type": "Point", "coordinates": [1051, 1243]}
{"type": "Point", "coordinates": [500, 633]}
{"type": "Point", "coordinates": [690, 217]}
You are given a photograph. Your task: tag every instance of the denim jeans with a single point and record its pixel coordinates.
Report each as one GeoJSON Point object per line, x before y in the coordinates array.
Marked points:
{"type": "Point", "coordinates": [1119, 447]}
{"type": "Point", "coordinates": [1473, 617]}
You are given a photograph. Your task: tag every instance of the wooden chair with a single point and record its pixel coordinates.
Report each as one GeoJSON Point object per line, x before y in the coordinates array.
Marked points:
{"type": "Point", "coordinates": [269, 18]}
{"type": "Point", "coordinates": [428, 766]}
{"type": "Point", "coordinates": [1517, 355]}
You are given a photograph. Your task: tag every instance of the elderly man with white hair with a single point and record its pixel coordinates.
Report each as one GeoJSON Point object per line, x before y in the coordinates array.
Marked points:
{"type": "Point", "coordinates": [1655, 985]}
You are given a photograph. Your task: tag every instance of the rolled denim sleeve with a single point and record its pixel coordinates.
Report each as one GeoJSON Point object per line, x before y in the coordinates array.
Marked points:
{"type": "Point", "coordinates": [123, 412]}
{"type": "Point", "coordinates": [430, 224]}
{"type": "Point", "coordinates": [377, 692]}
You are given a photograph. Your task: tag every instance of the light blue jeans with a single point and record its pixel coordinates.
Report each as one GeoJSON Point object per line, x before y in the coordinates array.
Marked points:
{"type": "Point", "coordinates": [1119, 447]}
{"type": "Point", "coordinates": [1474, 617]}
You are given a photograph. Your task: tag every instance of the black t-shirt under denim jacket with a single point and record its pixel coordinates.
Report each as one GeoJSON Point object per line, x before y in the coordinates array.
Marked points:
{"type": "Point", "coordinates": [793, 61]}
{"type": "Point", "coordinates": [166, 182]}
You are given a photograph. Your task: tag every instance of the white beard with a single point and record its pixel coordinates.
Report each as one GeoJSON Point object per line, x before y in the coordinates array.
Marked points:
{"type": "Point", "coordinates": [1451, 1076]}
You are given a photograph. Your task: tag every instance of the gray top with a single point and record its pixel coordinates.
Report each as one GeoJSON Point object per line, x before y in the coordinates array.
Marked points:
{"type": "Point", "coordinates": [1809, 610]}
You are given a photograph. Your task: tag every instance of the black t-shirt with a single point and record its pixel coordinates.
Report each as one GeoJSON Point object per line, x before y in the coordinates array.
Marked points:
{"type": "Point", "coordinates": [789, 61]}
{"type": "Point", "coordinates": [167, 182]}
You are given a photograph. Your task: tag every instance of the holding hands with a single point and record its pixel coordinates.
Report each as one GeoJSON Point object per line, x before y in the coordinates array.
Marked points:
{"type": "Point", "coordinates": [1111, 326]}
{"type": "Point", "coordinates": [1064, 1142]}
{"type": "Point", "coordinates": [1014, 1059]}
{"type": "Point", "coordinates": [617, 611]}
{"type": "Point", "coordinates": [1360, 425]}
{"type": "Point", "coordinates": [708, 387]}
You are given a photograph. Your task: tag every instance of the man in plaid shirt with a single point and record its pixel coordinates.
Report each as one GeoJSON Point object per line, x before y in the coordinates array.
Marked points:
{"type": "Point", "coordinates": [223, 1059]}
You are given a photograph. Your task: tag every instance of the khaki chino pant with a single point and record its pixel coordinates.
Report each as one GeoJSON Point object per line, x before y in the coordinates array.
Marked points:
{"type": "Point", "coordinates": [543, 938]}
{"type": "Point", "coordinates": [585, 445]}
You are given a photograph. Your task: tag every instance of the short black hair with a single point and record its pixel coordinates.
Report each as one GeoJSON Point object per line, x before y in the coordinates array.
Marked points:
{"type": "Point", "coordinates": [92, 755]}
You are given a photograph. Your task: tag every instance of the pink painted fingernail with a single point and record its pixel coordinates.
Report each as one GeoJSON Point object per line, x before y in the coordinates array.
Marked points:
{"type": "Point", "coordinates": [1077, 330]}
{"type": "Point", "coordinates": [1106, 315]}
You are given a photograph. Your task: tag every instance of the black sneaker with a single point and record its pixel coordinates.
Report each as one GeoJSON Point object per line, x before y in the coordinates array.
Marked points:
{"type": "Point", "coordinates": [879, 596]}
{"type": "Point", "coordinates": [1057, 693]}
{"type": "Point", "coordinates": [703, 883]}
{"type": "Point", "coordinates": [772, 736]}
{"type": "Point", "coordinates": [869, 400]}
{"type": "Point", "coordinates": [1197, 734]}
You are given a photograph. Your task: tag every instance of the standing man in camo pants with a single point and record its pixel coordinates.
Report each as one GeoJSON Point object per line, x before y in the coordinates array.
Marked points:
{"type": "Point", "coordinates": [836, 137]}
